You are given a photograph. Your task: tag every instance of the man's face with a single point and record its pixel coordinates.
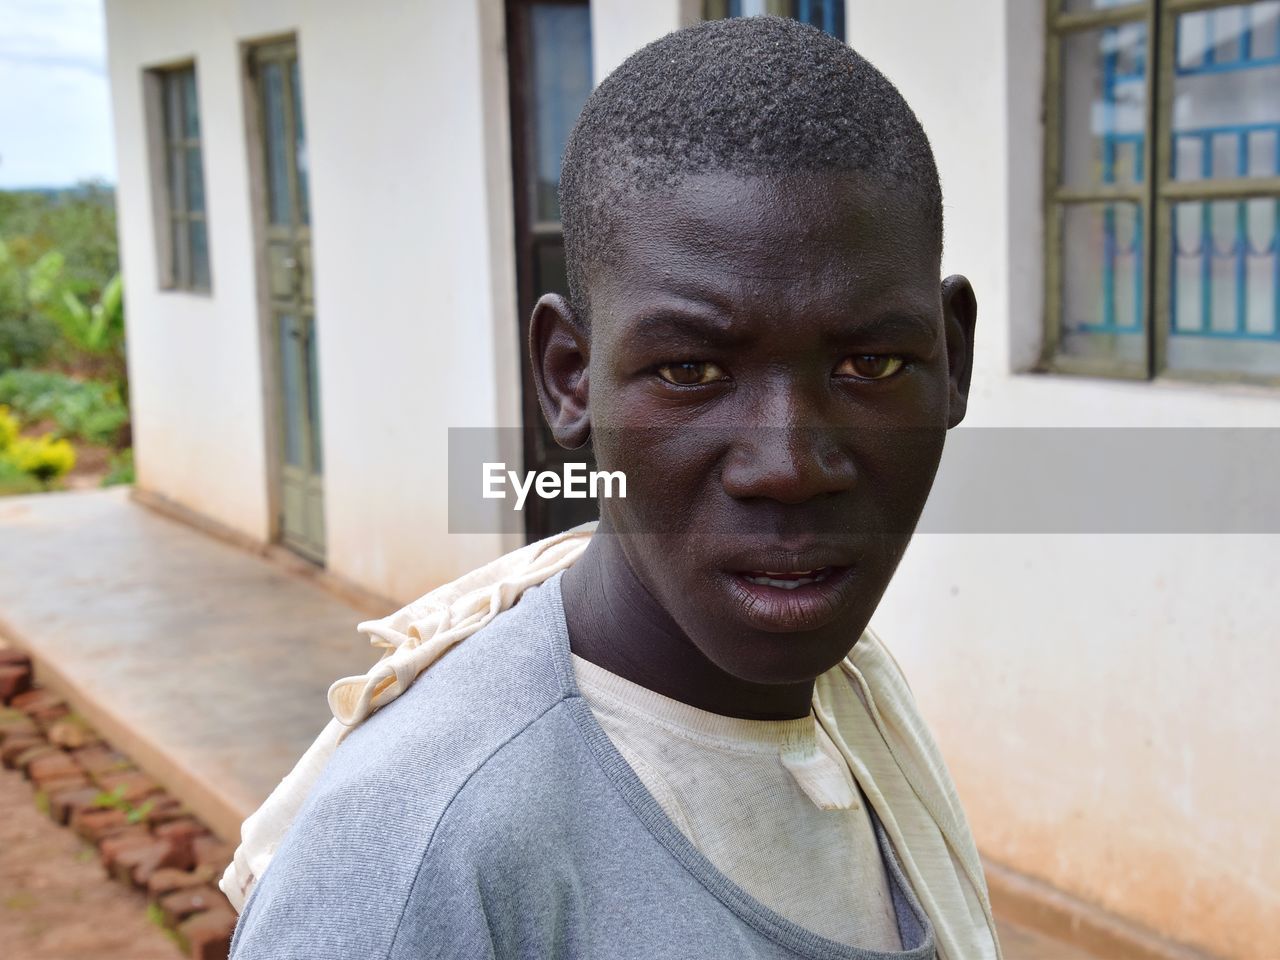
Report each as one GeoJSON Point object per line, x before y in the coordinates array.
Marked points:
{"type": "Point", "coordinates": [770, 367]}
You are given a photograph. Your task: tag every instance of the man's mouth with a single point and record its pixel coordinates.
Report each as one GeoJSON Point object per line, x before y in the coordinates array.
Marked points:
{"type": "Point", "coordinates": [787, 579]}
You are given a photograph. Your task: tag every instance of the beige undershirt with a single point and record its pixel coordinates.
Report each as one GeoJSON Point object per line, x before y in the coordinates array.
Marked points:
{"type": "Point", "coordinates": [771, 803]}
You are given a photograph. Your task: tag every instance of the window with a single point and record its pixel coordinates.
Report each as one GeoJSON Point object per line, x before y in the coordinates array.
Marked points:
{"type": "Point", "coordinates": [1162, 182]}
{"type": "Point", "coordinates": [827, 15]}
{"type": "Point", "coordinates": [182, 221]}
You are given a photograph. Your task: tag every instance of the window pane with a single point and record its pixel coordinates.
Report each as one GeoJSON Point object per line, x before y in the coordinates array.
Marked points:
{"type": "Point", "coordinates": [1101, 285]}
{"type": "Point", "coordinates": [561, 52]}
{"type": "Point", "coordinates": [279, 205]}
{"type": "Point", "coordinates": [190, 106]}
{"type": "Point", "coordinates": [549, 271]}
{"type": "Point", "coordinates": [199, 255]}
{"type": "Point", "coordinates": [291, 375]}
{"type": "Point", "coordinates": [194, 181]}
{"type": "Point", "coordinates": [1104, 104]}
{"type": "Point", "coordinates": [1226, 287]}
{"type": "Point", "coordinates": [173, 124]}
{"type": "Point", "coordinates": [178, 259]}
{"type": "Point", "coordinates": [177, 180]}
{"type": "Point", "coordinates": [300, 145]}
{"type": "Point", "coordinates": [1226, 114]}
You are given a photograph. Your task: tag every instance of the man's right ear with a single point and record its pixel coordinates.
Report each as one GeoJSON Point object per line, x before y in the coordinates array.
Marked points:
{"type": "Point", "coordinates": [560, 350]}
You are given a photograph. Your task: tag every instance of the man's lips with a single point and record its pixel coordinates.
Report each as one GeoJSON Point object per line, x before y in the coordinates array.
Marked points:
{"type": "Point", "coordinates": [787, 597]}
{"type": "Point", "coordinates": [788, 579]}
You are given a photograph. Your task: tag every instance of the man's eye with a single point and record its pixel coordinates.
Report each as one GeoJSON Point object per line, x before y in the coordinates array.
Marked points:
{"type": "Point", "coordinates": [870, 366]}
{"type": "Point", "coordinates": [691, 373]}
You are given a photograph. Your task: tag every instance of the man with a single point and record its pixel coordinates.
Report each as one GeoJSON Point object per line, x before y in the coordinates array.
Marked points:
{"type": "Point", "coordinates": [685, 744]}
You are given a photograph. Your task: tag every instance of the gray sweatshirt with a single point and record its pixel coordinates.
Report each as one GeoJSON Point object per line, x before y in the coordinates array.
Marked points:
{"type": "Point", "coordinates": [486, 814]}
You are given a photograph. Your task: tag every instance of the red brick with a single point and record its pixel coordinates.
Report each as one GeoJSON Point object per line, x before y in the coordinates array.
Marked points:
{"type": "Point", "coordinates": [176, 857]}
{"type": "Point", "coordinates": [17, 725]}
{"type": "Point", "coordinates": [46, 717]}
{"type": "Point", "coordinates": [130, 840]}
{"type": "Point", "coordinates": [181, 904]}
{"type": "Point", "coordinates": [38, 699]}
{"type": "Point", "coordinates": [63, 803]}
{"type": "Point", "coordinates": [71, 733]}
{"type": "Point", "coordinates": [52, 765]}
{"type": "Point", "coordinates": [168, 880]}
{"type": "Point", "coordinates": [167, 809]}
{"type": "Point", "coordinates": [208, 934]}
{"type": "Point", "coordinates": [17, 745]}
{"type": "Point", "coordinates": [136, 785]}
{"type": "Point", "coordinates": [184, 830]}
{"type": "Point", "coordinates": [136, 864]}
{"type": "Point", "coordinates": [211, 852]}
{"type": "Point", "coordinates": [95, 824]}
{"type": "Point", "coordinates": [9, 716]}
{"type": "Point", "coordinates": [14, 681]}
{"type": "Point", "coordinates": [26, 757]}
{"type": "Point", "coordinates": [62, 784]}
{"type": "Point", "coordinates": [101, 759]}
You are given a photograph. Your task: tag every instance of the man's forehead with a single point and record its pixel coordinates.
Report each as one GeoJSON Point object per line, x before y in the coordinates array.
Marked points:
{"type": "Point", "coordinates": [743, 231]}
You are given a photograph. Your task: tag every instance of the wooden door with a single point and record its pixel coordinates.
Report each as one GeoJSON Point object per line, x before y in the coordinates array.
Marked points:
{"type": "Point", "coordinates": [286, 252]}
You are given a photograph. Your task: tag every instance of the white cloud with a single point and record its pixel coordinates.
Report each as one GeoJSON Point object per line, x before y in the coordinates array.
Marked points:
{"type": "Point", "coordinates": [55, 110]}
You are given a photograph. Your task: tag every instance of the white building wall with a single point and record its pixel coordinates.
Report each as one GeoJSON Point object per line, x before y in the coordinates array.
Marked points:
{"type": "Point", "coordinates": [408, 144]}
{"type": "Point", "coordinates": [1103, 701]}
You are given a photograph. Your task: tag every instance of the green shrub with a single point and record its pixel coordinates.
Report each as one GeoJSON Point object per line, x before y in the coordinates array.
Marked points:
{"type": "Point", "coordinates": [45, 458]}
{"type": "Point", "coordinates": [86, 410]}
{"type": "Point", "coordinates": [9, 428]}
{"type": "Point", "coordinates": [27, 334]}
{"type": "Point", "coordinates": [13, 480]}
{"type": "Point", "coordinates": [120, 468]}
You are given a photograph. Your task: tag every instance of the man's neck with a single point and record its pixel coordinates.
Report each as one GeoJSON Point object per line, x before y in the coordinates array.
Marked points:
{"type": "Point", "coordinates": [616, 623]}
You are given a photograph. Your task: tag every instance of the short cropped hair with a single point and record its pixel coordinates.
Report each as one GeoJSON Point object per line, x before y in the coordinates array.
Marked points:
{"type": "Point", "coordinates": [751, 95]}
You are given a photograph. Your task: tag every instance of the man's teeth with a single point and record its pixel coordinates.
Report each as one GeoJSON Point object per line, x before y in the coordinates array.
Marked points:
{"type": "Point", "coordinates": [788, 580]}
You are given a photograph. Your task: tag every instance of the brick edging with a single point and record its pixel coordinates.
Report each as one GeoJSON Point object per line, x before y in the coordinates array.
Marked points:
{"type": "Point", "coordinates": [145, 837]}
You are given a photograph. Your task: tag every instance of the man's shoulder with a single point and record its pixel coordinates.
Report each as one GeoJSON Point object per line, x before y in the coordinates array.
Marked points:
{"type": "Point", "coordinates": [358, 843]}
{"type": "Point", "coordinates": [476, 697]}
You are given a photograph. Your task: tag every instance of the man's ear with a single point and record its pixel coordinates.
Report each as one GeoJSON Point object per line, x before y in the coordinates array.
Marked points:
{"type": "Point", "coordinates": [560, 350]}
{"type": "Point", "coordinates": [959, 314]}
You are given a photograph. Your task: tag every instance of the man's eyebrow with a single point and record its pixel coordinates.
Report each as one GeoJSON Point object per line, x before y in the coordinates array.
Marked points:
{"type": "Point", "coordinates": [663, 323]}
{"type": "Point", "coordinates": [888, 326]}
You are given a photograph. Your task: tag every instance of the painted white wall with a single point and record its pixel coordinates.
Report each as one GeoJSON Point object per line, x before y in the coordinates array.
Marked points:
{"type": "Point", "coordinates": [406, 114]}
{"type": "Point", "coordinates": [621, 27]}
{"type": "Point", "coordinates": [1104, 702]}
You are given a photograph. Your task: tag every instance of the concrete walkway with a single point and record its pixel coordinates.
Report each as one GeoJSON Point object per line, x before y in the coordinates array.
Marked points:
{"type": "Point", "coordinates": [206, 664]}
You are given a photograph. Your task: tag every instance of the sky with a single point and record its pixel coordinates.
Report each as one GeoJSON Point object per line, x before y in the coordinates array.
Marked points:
{"type": "Point", "coordinates": [55, 110]}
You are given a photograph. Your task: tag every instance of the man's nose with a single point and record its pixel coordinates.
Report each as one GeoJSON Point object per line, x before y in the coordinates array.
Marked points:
{"type": "Point", "coordinates": [790, 463]}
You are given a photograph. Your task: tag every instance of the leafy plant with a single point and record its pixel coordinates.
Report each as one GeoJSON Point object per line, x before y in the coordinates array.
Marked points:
{"type": "Point", "coordinates": [120, 468]}
{"type": "Point", "coordinates": [45, 458]}
{"type": "Point", "coordinates": [91, 411]}
{"type": "Point", "coordinates": [96, 328]}
{"type": "Point", "coordinates": [9, 428]}
{"type": "Point", "coordinates": [115, 800]}
{"type": "Point", "coordinates": [27, 335]}
{"type": "Point", "coordinates": [14, 481]}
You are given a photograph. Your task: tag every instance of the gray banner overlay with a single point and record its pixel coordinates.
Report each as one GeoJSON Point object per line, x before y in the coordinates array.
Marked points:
{"type": "Point", "coordinates": [991, 480]}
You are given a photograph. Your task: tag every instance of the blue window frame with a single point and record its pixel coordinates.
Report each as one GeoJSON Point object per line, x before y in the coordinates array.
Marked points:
{"type": "Point", "coordinates": [1163, 188]}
